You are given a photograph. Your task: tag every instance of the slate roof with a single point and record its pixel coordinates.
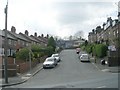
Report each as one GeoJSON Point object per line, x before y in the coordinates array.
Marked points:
{"type": "Point", "coordinates": [2, 33]}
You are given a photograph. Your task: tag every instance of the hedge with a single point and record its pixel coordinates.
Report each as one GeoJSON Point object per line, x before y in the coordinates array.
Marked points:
{"type": "Point", "coordinates": [101, 50]}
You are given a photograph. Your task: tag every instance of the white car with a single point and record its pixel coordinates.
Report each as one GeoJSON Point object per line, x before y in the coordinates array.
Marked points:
{"type": "Point", "coordinates": [56, 56]}
{"type": "Point", "coordinates": [84, 57]}
{"type": "Point", "coordinates": [50, 62]}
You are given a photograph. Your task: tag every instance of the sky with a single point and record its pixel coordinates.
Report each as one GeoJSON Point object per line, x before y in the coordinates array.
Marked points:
{"type": "Point", "coordinates": [57, 17]}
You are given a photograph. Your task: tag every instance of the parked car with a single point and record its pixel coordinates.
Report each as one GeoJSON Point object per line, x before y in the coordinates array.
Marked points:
{"type": "Point", "coordinates": [50, 62]}
{"type": "Point", "coordinates": [57, 57]}
{"type": "Point", "coordinates": [84, 57]}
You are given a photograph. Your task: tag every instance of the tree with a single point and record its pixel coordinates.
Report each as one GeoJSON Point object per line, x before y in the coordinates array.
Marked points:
{"type": "Point", "coordinates": [52, 43]}
{"type": "Point", "coordinates": [79, 34]}
{"type": "Point", "coordinates": [86, 42]}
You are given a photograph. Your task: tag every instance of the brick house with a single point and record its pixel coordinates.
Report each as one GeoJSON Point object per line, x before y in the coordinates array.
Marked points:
{"type": "Point", "coordinates": [35, 39]}
{"type": "Point", "coordinates": [109, 35]}
{"type": "Point", "coordinates": [21, 41]}
{"type": "Point", "coordinates": [10, 52]}
{"type": "Point", "coordinates": [41, 41]}
{"type": "Point", "coordinates": [44, 39]}
{"type": "Point", "coordinates": [105, 35]}
{"type": "Point", "coordinates": [92, 38]}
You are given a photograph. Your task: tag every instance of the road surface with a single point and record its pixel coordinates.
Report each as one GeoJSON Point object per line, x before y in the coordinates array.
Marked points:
{"type": "Point", "coordinates": [71, 73]}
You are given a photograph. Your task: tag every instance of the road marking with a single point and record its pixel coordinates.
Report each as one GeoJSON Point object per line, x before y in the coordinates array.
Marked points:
{"type": "Point", "coordinates": [101, 87]}
{"type": "Point", "coordinates": [25, 77]}
{"type": "Point", "coordinates": [105, 70]}
{"type": "Point", "coordinates": [95, 66]}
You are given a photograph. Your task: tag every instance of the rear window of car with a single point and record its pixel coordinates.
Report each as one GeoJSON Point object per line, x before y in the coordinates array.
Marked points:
{"type": "Point", "coordinates": [55, 55]}
{"type": "Point", "coordinates": [85, 56]}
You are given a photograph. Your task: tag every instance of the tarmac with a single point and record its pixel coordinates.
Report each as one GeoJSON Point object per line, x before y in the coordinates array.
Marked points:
{"type": "Point", "coordinates": [21, 78]}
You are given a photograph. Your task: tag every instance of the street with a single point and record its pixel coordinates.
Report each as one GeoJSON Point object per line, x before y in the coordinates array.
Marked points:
{"type": "Point", "coordinates": [71, 73]}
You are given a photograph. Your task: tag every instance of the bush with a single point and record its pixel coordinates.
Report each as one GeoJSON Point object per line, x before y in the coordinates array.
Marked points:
{"type": "Point", "coordinates": [83, 48]}
{"type": "Point", "coordinates": [89, 48]}
{"type": "Point", "coordinates": [101, 50]}
{"type": "Point", "coordinates": [23, 54]}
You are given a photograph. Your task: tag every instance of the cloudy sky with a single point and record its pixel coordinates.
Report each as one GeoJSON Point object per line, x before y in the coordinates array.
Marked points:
{"type": "Point", "coordinates": [57, 17]}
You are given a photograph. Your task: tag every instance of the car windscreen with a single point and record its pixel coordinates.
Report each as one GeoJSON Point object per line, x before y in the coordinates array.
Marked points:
{"type": "Point", "coordinates": [50, 60]}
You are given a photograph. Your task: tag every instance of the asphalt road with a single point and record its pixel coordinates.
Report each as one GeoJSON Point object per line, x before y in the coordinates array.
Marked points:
{"type": "Point", "coordinates": [71, 73]}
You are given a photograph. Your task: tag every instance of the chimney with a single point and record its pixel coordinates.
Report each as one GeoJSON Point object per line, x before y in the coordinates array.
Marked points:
{"type": "Point", "coordinates": [47, 36]}
{"type": "Point", "coordinates": [13, 29]}
{"type": "Point", "coordinates": [26, 32]}
{"type": "Point", "coordinates": [35, 34]}
{"type": "Point", "coordinates": [42, 35]}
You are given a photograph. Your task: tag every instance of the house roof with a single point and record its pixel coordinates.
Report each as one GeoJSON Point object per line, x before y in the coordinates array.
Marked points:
{"type": "Point", "coordinates": [45, 40]}
{"type": "Point", "coordinates": [32, 37]}
{"type": "Point", "coordinates": [18, 36]}
{"type": "Point", "coordinates": [2, 33]}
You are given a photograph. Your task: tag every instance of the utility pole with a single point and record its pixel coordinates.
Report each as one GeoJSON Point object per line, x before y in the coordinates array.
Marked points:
{"type": "Point", "coordinates": [5, 47]}
{"type": "Point", "coordinates": [30, 56]}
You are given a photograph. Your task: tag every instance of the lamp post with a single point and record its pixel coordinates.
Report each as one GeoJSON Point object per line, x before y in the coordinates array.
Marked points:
{"type": "Point", "coordinates": [30, 56]}
{"type": "Point", "coordinates": [5, 47]}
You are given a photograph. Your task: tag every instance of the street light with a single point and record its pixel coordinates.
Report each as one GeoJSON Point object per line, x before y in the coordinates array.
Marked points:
{"type": "Point", "coordinates": [5, 46]}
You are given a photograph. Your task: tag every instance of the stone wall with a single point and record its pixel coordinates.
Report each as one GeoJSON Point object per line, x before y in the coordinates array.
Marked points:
{"type": "Point", "coordinates": [11, 70]}
{"type": "Point", "coordinates": [113, 58]}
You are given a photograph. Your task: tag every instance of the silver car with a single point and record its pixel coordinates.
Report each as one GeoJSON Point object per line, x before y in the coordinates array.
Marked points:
{"type": "Point", "coordinates": [50, 62]}
{"type": "Point", "coordinates": [84, 57]}
{"type": "Point", "coordinates": [56, 56]}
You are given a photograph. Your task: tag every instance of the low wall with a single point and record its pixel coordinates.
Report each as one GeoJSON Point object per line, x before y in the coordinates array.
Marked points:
{"type": "Point", "coordinates": [23, 67]}
{"type": "Point", "coordinates": [20, 66]}
{"type": "Point", "coordinates": [11, 70]}
{"type": "Point", "coordinates": [113, 58]}
{"type": "Point", "coordinates": [113, 61]}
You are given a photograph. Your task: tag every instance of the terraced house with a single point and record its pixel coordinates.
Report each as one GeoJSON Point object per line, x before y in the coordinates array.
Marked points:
{"type": "Point", "coordinates": [17, 42]}
{"type": "Point", "coordinates": [108, 34]}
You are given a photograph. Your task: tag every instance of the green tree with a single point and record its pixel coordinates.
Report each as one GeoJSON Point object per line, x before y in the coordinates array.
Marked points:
{"type": "Point", "coordinates": [52, 43]}
{"type": "Point", "coordinates": [86, 42]}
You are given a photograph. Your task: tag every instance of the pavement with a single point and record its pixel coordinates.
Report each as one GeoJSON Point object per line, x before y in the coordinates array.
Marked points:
{"type": "Point", "coordinates": [21, 78]}
{"type": "Point", "coordinates": [104, 68]}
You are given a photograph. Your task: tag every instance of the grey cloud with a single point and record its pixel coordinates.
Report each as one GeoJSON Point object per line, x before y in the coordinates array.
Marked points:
{"type": "Point", "coordinates": [77, 12]}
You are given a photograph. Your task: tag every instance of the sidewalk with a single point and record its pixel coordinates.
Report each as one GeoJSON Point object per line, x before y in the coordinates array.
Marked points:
{"type": "Point", "coordinates": [104, 68]}
{"type": "Point", "coordinates": [21, 78]}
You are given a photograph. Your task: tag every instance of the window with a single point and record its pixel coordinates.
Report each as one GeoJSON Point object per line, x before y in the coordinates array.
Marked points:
{"type": "Point", "coordinates": [23, 43]}
{"type": "Point", "coordinates": [9, 41]}
{"type": "Point", "coordinates": [26, 44]}
{"type": "Point", "coordinates": [12, 52]}
{"type": "Point", "coordinates": [117, 31]}
{"type": "Point", "coordinates": [1, 51]}
{"type": "Point", "coordinates": [114, 33]}
{"type": "Point", "coordinates": [14, 43]}
{"type": "Point", "coordinates": [3, 40]}
{"type": "Point", "coordinates": [18, 41]}
{"type": "Point", "coordinates": [8, 52]}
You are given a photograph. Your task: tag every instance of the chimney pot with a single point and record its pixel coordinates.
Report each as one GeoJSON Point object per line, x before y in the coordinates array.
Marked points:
{"type": "Point", "coordinates": [35, 34]}
{"type": "Point", "coordinates": [13, 29]}
{"type": "Point", "coordinates": [26, 32]}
